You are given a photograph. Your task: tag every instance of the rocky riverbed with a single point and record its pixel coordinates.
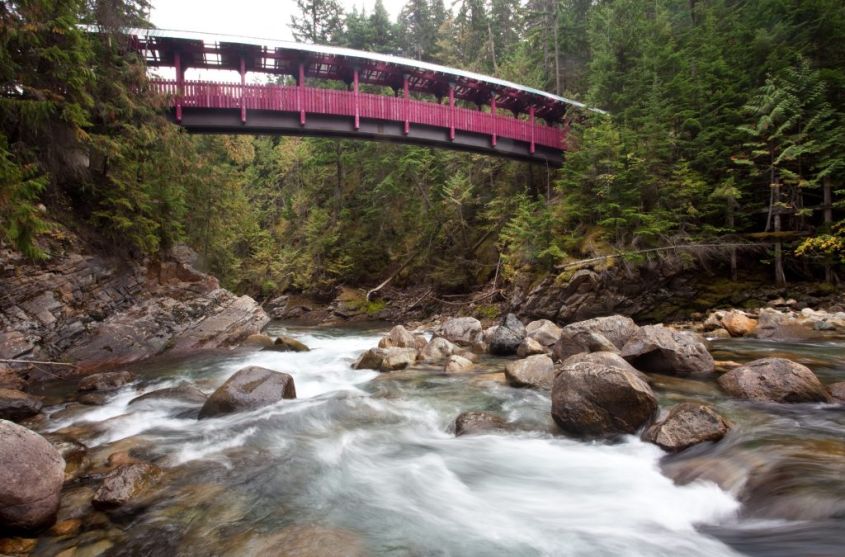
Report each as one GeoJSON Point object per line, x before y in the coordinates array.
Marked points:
{"type": "Point", "coordinates": [600, 437]}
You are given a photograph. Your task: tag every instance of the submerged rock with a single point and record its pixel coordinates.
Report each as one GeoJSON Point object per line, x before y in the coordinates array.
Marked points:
{"type": "Point", "coordinates": [124, 484]}
{"type": "Point", "coordinates": [74, 453]}
{"type": "Point", "coordinates": [536, 371]}
{"type": "Point", "coordinates": [386, 359]}
{"type": "Point", "coordinates": [837, 390]}
{"type": "Point", "coordinates": [184, 392]}
{"type": "Point", "coordinates": [463, 331]}
{"type": "Point", "coordinates": [687, 424]}
{"type": "Point", "coordinates": [398, 337]}
{"type": "Point", "coordinates": [594, 397]}
{"type": "Point", "coordinates": [249, 388]}
{"type": "Point", "coordinates": [16, 405]}
{"type": "Point", "coordinates": [658, 349]}
{"type": "Point", "coordinates": [31, 476]}
{"type": "Point", "coordinates": [458, 364]}
{"type": "Point", "coordinates": [508, 336]}
{"type": "Point", "coordinates": [287, 344]}
{"type": "Point", "coordinates": [469, 423]}
{"type": "Point", "coordinates": [774, 379]}
{"type": "Point", "coordinates": [104, 382]}
{"type": "Point", "coordinates": [298, 541]}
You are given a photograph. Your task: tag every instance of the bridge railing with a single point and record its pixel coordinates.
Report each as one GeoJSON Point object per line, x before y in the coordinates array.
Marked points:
{"type": "Point", "coordinates": [204, 94]}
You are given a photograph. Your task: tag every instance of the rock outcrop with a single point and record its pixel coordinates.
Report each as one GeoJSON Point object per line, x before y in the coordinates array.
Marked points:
{"type": "Point", "coordinates": [592, 397]}
{"type": "Point", "coordinates": [687, 424]}
{"type": "Point", "coordinates": [507, 337]}
{"type": "Point", "coordinates": [250, 388]}
{"type": "Point", "coordinates": [469, 423]}
{"type": "Point", "coordinates": [16, 405]}
{"type": "Point", "coordinates": [31, 476]}
{"type": "Point", "coordinates": [659, 349]}
{"type": "Point", "coordinates": [99, 311]}
{"type": "Point", "coordinates": [775, 380]}
{"type": "Point", "coordinates": [536, 371]}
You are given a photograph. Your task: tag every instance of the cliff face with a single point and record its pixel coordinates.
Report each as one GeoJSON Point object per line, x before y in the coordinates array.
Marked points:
{"type": "Point", "coordinates": [97, 311]}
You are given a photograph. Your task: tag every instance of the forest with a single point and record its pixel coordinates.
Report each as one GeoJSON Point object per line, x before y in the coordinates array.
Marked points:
{"type": "Point", "coordinates": [725, 126]}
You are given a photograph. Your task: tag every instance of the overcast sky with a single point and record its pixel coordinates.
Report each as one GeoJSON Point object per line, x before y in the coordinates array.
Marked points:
{"type": "Point", "coordinates": [266, 19]}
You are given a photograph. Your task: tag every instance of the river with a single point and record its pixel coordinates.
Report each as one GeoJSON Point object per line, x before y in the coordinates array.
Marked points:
{"type": "Point", "coordinates": [373, 456]}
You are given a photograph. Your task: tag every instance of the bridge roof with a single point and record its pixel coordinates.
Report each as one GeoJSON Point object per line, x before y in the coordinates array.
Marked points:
{"type": "Point", "coordinates": [210, 51]}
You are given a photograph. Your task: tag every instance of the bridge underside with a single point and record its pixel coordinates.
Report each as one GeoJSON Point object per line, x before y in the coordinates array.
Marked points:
{"type": "Point", "coordinates": [272, 122]}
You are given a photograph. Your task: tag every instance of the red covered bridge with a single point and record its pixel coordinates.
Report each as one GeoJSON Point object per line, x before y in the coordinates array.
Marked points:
{"type": "Point", "coordinates": [430, 104]}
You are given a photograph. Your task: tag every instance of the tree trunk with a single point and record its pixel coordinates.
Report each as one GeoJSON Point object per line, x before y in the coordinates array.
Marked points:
{"type": "Point", "coordinates": [557, 50]}
{"type": "Point", "coordinates": [780, 277]}
{"type": "Point", "coordinates": [730, 223]}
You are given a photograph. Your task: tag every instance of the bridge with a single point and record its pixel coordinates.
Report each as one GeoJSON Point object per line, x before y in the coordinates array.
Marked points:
{"type": "Point", "coordinates": [314, 90]}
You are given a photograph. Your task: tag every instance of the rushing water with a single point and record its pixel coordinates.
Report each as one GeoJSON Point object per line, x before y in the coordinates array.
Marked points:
{"type": "Point", "coordinates": [374, 455]}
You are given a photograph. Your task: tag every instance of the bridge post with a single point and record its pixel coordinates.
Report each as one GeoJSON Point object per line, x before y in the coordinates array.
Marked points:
{"type": "Point", "coordinates": [493, 119]}
{"type": "Point", "coordinates": [300, 86]}
{"type": "Point", "coordinates": [243, 90]}
{"type": "Point", "coordinates": [406, 103]}
{"type": "Point", "coordinates": [180, 81]}
{"type": "Point", "coordinates": [356, 99]}
{"type": "Point", "coordinates": [531, 115]}
{"type": "Point", "coordinates": [451, 111]}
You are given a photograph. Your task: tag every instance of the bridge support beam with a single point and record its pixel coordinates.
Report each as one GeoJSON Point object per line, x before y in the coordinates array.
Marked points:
{"type": "Point", "coordinates": [300, 89]}
{"type": "Point", "coordinates": [356, 98]}
{"type": "Point", "coordinates": [531, 115]}
{"type": "Point", "coordinates": [493, 120]}
{"type": "Point", "coordinates": [180, 84]}
{"type": "Point", "coordinates": [243, 90]}
{"type": "Point", "coordinates": [406, 104]}
{"type": "Point", "coordinates": [451, 111]}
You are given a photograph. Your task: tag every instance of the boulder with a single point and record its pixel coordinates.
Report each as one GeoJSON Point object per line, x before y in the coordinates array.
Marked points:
{"type": "Point", "coordinates": [74, 453]}
{"type": "Point", "coordinates": [250, 388]}
{"type": "Point", "coordinates": [438, 350]}
{"type": "Point", "coordinates": [287, 344]}
{"type": "Point", "coordinates": [592, 396]}
{"type": "Point", "coordinates": [398, 337]}
{"type": "Point", "coordinates": [774, 379]}
{"type": "Point", "coordinates": [9, 379]}
{"type": "Point", "coordinates": [738, 324]}
{"type": "Point", "coordinates": [420, 342]}
{"type": "Point", "coordinates": [386, 359]}
{"type": "Point", "coordinates": [529, 347]}
{"type": "Point", "coordinates": [774, 325]}
{"type": "Point", "coordinates": [618, 329]}
{"type": "Point", "coordinates": [487, 335]}
{"type": "Point", "coordinates": [458, 364]}
{"type": "Point", "coordinates": [508, 336]}
{"type": "Point", "coordinates": [573, 342]}
{"type": "Point", "coordinates": [543, 331]}
{"type": "Point", "coordinates": [125, 483]}
{"type": "Point", "coordinates": [837, 390]}
{"type": "Point", "coordinates": [687, 424]}
{"type": "Point", "coordinates": [93, 399]}
{"type": "Point", "coordinates": [536, 371]}
{"type": "Point", "coordinates": [104, 382]}
{"type": "Point", "coordinates": [463, 331]}
{"type": "Point", "coordinates": [17, 405]}
{"type": "Point", "coordinates": [714, 321]}
{"type": "Point", "coordinates": [184, 392]}
{"type": "Point", "coordinates": [658, 349]}
{"type": "Point", "coordinates": [31, 476]}
{"type": "Point", "coordinates": [260, 340]}
{"type": "Point", "coordinates": [469, 423]}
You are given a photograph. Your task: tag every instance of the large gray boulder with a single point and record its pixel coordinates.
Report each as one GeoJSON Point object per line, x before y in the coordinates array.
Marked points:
{"type": "Point", "coordinates": [398, 337]}
{"type": "Point", "coordinates": [507, 337]}
{"type": "Point", "coordinates": [600, 334]}
{"type": "Point", "coordinates": [31, 475]}
{"type": "Point", "coordinates": [248, 389]}
{"type": "Point", "coordinates": [687, 424]}
{"type": "Point", "coordinates": [658, 349]}
{"type": "Point", "coordinates": [438, 350]}
{"type": "Point", "coordinates": [543, 331]}
{"type": "Point", "coordinates": [536, 371]}
{"type": "Point", "coordinates": [463, 331]}
{"type": "Point", "coordinates": [16, 405]}
{"type": "Point", "coordinates": [386, 359]}
{"type": "Point", "coordinates": [776, 380]}
{"type": "Point", "coordinates": [593, 397]}
{"type": "Point", "coordinates": [125, 484]}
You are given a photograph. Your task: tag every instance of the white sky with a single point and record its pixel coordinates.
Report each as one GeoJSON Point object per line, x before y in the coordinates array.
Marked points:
{"type": "Point", "coordinates": [265, 19]}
